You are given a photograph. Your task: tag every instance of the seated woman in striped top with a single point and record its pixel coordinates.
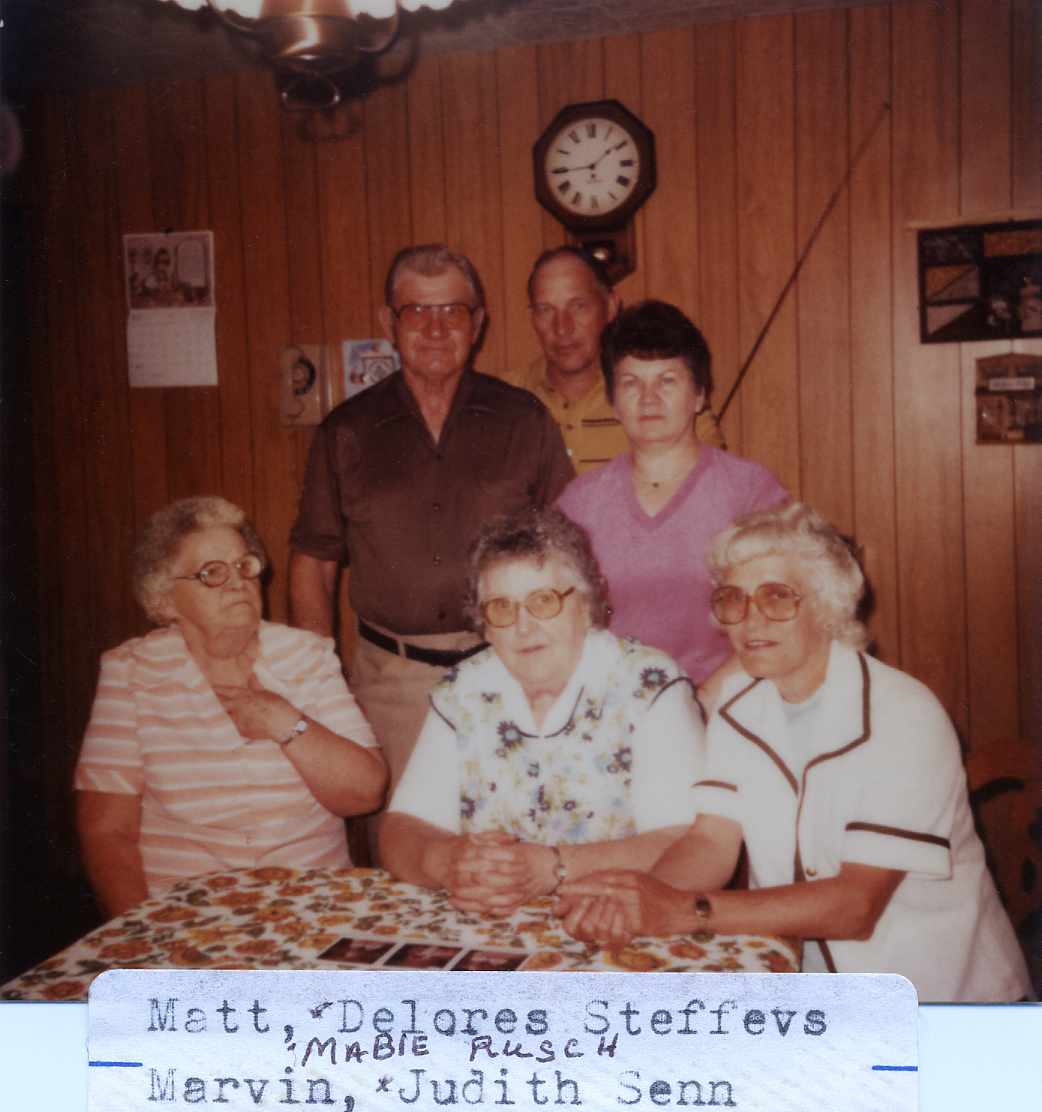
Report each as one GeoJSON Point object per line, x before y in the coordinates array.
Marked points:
{"type": "Point", "coordinates": [219, 740]}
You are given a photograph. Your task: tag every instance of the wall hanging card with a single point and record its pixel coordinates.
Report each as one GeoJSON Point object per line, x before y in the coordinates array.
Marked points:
{"type": "Point", "coordinates": [170, 303]}
{"type": "Point", "coordinates": [366, 362]}
{"type": "Point", "coordinates": [980, 282]}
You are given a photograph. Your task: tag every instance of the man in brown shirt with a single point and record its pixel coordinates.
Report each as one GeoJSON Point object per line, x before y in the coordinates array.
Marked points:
{"type": "Point", "coordinates": [398, 480]}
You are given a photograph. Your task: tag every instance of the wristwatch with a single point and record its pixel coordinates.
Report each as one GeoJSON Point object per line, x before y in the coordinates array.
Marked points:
{"type": "Point", "coordinates": [703, 909]}
{"type": "Point", "coordinates": [560, 869]}
{"type": "Point", "coordinates": [298, 729]}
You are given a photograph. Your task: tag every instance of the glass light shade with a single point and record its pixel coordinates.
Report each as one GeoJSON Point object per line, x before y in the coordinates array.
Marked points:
{"type": "Point", "coordinates": [377, 9]}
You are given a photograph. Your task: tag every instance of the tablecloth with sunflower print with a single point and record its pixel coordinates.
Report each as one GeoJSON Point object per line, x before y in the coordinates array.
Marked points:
{"type": "Point", "coordinates": [281, 918]}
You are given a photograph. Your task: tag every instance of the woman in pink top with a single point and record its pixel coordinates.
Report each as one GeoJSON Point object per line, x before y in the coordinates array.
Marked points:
{"type": "Point", "coordinates": [219, 740]}
{"type": "Point", "coordinates": [651, 513]}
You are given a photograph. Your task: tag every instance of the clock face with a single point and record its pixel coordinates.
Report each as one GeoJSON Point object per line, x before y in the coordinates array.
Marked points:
{"type": "Point", "coordinates": [592, 166]}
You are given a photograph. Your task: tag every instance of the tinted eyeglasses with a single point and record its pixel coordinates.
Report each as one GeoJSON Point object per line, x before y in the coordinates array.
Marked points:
{"type": "Point", "coordinates": [215, 573]}
{"type": "Point", "coordinates": [414, 318]}
{"type": "Point", "coordinates": [775, 601]}
{"type": "Point", "coordinates": [542, 604]}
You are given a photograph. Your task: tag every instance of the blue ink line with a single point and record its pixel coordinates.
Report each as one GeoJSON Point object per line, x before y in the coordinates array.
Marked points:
{"type": "Point", "coordinates": [908, 1069]}
{"type": "Point", "coordinates": [115, 1063]}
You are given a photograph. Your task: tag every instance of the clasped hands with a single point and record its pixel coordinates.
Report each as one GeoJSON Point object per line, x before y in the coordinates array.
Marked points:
{"type": "Point", "coordinates": [612, 907]}
{"type": "Point", "coordinates": [494, 873]}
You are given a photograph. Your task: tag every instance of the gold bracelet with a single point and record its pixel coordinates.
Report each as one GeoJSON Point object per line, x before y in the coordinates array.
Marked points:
{"type": "Point", "coordinates": [560, 869]}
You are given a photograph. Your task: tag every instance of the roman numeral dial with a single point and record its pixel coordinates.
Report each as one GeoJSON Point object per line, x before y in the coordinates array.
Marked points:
{"type": "Point", "coordinates": [592, 166]}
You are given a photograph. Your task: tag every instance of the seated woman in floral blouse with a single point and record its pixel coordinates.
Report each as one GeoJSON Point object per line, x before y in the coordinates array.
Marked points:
{"type": "Point", "coordinates": [559, 750]}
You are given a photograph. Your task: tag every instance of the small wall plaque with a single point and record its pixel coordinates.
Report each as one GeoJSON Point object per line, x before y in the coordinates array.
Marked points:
{"type": "Point", "coordinates": [1009, 399]}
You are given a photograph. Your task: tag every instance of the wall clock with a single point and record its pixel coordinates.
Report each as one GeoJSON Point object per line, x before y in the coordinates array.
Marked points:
{"type": "Point", "coordinates": [594, 167]}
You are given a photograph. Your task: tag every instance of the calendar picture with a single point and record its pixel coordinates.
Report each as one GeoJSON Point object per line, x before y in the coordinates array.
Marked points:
{"type": "Point", "coordinates": [169, 271]}
{"type": "Point", "coordinates": [170, 309]}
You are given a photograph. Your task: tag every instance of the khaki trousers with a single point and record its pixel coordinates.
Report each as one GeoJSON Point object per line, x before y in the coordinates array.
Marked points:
{"type": "Point", "coordinates": [393, 692]}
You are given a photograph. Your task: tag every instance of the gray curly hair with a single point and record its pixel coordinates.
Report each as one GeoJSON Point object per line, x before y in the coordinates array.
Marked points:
{"type": "Point", "coordinates": [800, 531]}
{"type": "Point", "coordinates": [160, 541]}
{"type": "Point", "coordinates": [536, 536]}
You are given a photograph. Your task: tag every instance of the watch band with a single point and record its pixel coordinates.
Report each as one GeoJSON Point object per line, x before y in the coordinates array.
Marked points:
{"type": "Point", "coordinates": [560, 868]}
{"type": "Point", "coordinates": [298, 729]}
{"type": "Point", "coordinates": [703, 910]}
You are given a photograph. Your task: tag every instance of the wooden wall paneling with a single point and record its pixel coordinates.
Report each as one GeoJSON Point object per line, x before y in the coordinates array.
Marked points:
{"type": "Point", "coordinates": [1026, 133]}
{"type": "Point", "coordinates": [985, 186]}
{"type": "Point", "coordinates": [388, 185]}
{"type": "Point", "coordinates": [61, 526]}
{"type": "Point", "coordinates": [715, 142]}
{"type": "Point", "coordinates": [473, 203]}
{"type": "Point", "coordinates": [347, 306]}
{"type": "Point", "coordinates": [669, 257]}
{"type": "Point", "coordinates": [823, 150]}
{"type": "Point", "coordinates": [871, 313]}
{"type": "Point", "coordinates": [423, 129]}
{"type": "Point", "coordinates": [569, 73]}
{"type": "Point", "coordinates": [133, 163]}
{"type": "Point", "coordinates": [1027, 103]}
{"type": "Point", "coordinates": [226, 213]}
{"type": "Point", "coordinates": [521, 230]}
{"type": "Point", "coordinates": [180, 197]}
{"type": "Point", "coordinates": [931, 563]}
{"type": "Point", "coordinates": [622, 82]}
{"type": "Point", "coordinates": [97, 254]}
{"type": "Point", "coordinates": [304, 256]}
{"type": "Point", "coordinates": [766, 243]}
{"type": "Point", "coordinates": [266, 274]}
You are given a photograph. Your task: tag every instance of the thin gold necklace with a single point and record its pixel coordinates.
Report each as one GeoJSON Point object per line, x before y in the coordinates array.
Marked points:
{"type": "Point", "coordinates": [669, 479]}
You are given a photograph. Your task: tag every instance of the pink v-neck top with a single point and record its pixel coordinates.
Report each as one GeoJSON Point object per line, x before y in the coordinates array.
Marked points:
{"type": "Point", "coordinates": [657, 576]}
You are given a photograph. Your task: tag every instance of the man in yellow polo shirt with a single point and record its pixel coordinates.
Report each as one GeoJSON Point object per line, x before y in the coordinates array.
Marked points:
{"type": "Point", "coordinates": [570, 302]}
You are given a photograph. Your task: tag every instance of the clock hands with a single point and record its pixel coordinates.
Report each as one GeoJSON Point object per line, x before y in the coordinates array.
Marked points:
{"type": "Point", "coordinates": [592, 165]}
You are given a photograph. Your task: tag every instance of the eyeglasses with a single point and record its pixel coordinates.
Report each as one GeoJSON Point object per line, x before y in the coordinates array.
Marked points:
{"type": "Point", "coordinates": [415, 318]}
{"type": "Point", "coordinates": [542, 604]}
{"type": "Point", "coordinates": [215, 573]}
{"type": "Point", "coordinates": [775, 601]}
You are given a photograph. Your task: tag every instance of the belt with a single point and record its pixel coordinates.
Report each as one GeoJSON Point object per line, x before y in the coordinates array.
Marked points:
{"type": "Point", "coordinates": [439, 658]}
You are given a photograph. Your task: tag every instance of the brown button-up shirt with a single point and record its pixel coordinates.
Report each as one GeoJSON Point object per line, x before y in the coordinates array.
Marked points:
{"type": "Point", "coordinates": [381, 495]}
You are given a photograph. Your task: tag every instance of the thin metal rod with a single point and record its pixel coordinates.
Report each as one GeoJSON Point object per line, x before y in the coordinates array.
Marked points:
{"type": "Point", "coordinates": [830, 205]}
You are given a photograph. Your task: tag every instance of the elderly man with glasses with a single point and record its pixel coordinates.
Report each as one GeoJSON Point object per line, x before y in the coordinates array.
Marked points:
{"type": "Point", "coordinates": [398, 480]}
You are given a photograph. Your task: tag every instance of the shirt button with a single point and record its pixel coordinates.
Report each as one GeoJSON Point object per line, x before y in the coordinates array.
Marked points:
{"type": "Point", "coordinates": [437, 505]}
{"type": "Point", "coordinates": [812, 872]}
{"type": "Point", "coordinates": [437, 559]}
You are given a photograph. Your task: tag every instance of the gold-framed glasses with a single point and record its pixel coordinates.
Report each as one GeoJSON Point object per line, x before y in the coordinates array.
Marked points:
{"type": "Point", "coordinates": [215, 573]}
{"type": "Point", "coordinates": [414, 318]}
{"type": "Point", "coordinates": [776, 601]}
{"type": "Point", "coordinates": [542, 604]}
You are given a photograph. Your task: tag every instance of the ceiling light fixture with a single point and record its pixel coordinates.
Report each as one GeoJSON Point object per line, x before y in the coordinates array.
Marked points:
{"type": "Point", "coordinates": [312, 40]}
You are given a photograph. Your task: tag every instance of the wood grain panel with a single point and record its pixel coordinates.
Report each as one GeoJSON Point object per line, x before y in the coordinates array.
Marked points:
{"type": "Point", "coordinates": [108, 504]}
{"type": "Point", "coordinates": [871, 313]}
{"type": "Point", "coordinates": [822, 292]}
{"type": "Point", "coordinates": [521, 230]}
{"type": "Point", "coordinates": [388, 185]}
{"type": "Point", "coordinates": [766, 238]}
{"type": "Point", "coordinates": [931, 561]}
{"type": "Point", "coordinates": [426, 152]}
{"type": "Point", "coordinates": [985, 186]}
{"type": "Point", "coordinates": [670, 250]}
{"type": "Point", "coordinates": [715, 142]}
{"type": "Point", "coordinates": [266, 276]}
{"type": "Point", "coordinates": [222, 160]}
{"type": "Point", "coordinates": [1026, 99]}
{"type": "Point", "coordinates": [473, 204]}
{"type": "Point", "coordinates": [133, 163]}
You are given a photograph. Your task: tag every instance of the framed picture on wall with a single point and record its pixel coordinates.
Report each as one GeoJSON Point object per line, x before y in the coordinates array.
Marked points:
{"type": "Point", "coordinates": [980, 282]}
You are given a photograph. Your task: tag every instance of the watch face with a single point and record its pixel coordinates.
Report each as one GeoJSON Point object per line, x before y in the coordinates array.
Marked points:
{"type": "Point", "coordinates": [592, 166]}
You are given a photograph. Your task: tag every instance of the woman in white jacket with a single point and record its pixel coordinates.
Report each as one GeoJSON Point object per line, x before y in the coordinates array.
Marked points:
{"type": "Point", "coordinates": [842, 776]}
